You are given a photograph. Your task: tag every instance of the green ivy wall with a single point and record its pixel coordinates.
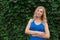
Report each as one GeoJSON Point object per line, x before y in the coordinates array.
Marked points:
{"type": "Point", "coordinates": [14, 16]}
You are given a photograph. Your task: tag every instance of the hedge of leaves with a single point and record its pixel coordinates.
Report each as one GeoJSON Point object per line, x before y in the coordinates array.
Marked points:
{"type": "Point", "coordinates": [14, 16]}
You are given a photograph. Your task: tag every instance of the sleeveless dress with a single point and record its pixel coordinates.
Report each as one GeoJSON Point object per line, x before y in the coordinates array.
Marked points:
{"type": "Point", "coordinates": [35, 27]}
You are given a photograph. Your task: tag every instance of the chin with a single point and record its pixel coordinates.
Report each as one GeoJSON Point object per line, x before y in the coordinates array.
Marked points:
{"type": "Point", "coordinates": [38, 16]}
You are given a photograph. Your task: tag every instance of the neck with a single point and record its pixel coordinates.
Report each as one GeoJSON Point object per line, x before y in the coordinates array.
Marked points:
{"type": "Point", "coordinates": [38, 19]}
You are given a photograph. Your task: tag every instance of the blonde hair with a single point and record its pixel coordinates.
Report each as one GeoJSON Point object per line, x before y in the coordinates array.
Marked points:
{"type": "Point", "coordinates": [43, 17]}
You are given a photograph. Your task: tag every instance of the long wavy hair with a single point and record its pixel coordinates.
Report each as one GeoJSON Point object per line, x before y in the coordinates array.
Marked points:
{"type": "Point", "coordinates": [43, 17]}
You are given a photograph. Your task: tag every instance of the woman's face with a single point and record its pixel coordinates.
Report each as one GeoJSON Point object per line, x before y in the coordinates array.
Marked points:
{"type": "Point", "coordinates": [39, 12]}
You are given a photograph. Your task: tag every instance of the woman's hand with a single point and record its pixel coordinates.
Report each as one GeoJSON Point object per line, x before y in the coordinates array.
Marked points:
{"type": "Point", "coordinates": [39, 34]}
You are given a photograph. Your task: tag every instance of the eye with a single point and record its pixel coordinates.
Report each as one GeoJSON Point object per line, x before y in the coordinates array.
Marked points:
{"type": "Point", "coordinates": [37, 10]}
{"type": "Point", "coordinates": [40, 11]}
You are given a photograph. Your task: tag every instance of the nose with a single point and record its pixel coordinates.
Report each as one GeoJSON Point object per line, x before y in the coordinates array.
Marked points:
{"type": "Point", "coordinates": [39, 13]}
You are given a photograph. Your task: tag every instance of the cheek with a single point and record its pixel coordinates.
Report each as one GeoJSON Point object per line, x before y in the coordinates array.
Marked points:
{"type": "Point", "coordinates": [38, 14]}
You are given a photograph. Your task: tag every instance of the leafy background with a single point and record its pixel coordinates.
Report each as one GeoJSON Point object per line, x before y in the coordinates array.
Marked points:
{"type": "Point", "coordinates": [14, 16]}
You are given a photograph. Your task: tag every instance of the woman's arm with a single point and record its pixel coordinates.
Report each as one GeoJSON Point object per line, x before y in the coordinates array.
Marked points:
{"type": "Point", "coordinates": [28, 31]}
{"type": "Point", "coordinates": [37, 33]}
{"type": "Point", "coordinates": [45, 34]}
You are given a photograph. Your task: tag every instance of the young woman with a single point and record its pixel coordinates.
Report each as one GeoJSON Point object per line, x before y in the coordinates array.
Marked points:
{"type": "Point", "coordinates": [38, 26]}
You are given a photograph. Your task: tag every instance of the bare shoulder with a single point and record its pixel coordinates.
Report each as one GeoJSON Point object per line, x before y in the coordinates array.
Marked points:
{"type": "Point", "coordinates": [45, 23]}
{"type": "Point", "coordinates": [30, 20]}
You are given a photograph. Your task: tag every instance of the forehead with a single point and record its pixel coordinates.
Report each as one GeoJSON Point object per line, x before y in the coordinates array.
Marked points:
{"type": "Point", "coordinates": [40, 9]}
